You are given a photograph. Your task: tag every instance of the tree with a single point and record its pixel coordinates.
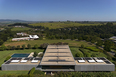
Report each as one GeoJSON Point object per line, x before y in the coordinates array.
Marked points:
{"type": "Point", "coordinates": [44, 45]}
{"type": "Point", "coordinates": [82, 46]}
{"type": "Point", "coordinates": [8, 47]}
{"type": "Point", "coordinates": [18, 47]}
{"type": "Point", "coordinates": [2, 48]}
{"type": "Point", "coordinates": [13, 48]}
{"type": "Point", "coordinates": [35, 46]}
{"type": "Point", "coordinates": [1, 42]}
{"type": "Point", "coordinates": [93, 55]}
{"type": "Point", "coordinates": [23, 46]}
{"type": "Point", "coordinates": [79, 54]}
{"type": "Point", "coordinates": [35, 54]}
{"type": "Point", "coordinates": [99, 43]}
{"type": "Point", "coordinates": [7, 58]}
{"type": "Point", "coordinates": [29, 46]}
{"type": "Point", "coordinates": [107, 45]}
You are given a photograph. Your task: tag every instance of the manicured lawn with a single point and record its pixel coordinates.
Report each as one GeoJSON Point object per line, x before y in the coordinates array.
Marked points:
{"type": "Point", "coordinates": [13, 72]}
{"type": "Point", "coordinates": [4, 54]}
{"type": "Point", "coordinates": [98, 54]}
{"type": "Point", "coordinates": [20, 29]}
{"type": "Point", "coordinates": [93, 49]}
{"type": "Point", "coordinates": [74, 50]}
{"type": "Point", "coordinates": [39, 42]}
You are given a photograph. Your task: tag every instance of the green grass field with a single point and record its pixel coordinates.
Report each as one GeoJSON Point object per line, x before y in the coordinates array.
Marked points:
{"type": "Point", "coordinates": [39, 42]}
{"type": "Point", "coordinates": [13, 73]}
{"type": "Point", "coordinates": [93, 49]}
{"type": "Point", "coordinates": [20, 29]}
{"type": "Point", "coordinates": [74, 50]}
{"type": "Point", "coordinates": [63, 24]}
{"type": "Point", "coordinates": [98, 54]}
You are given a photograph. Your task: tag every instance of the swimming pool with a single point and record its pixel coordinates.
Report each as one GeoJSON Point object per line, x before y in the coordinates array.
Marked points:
{"type": "Point", "coordinates": [20, 55]}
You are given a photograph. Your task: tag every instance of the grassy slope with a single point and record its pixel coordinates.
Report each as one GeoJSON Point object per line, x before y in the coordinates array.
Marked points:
{"type": "Point", "coordinates": [98, 54]}
{"type": "Point", "coordinates": [62, 25]}
{"type": "Point", "coordinates": [39, 42]}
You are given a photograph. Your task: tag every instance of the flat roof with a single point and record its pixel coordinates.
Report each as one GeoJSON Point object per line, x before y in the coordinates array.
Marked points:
{"type": "Point", "coordinates": [19, 60]}
{"type": "Point", "coordinates": [91, 60]}
{"type": "Point", "coordinates": [57, 55]}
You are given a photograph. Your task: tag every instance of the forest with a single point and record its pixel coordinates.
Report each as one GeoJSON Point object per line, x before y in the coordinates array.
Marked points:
{"type": "Point", "coordinates": [88, 33]}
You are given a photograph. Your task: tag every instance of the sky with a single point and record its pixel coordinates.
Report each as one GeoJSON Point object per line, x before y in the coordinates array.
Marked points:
{"type": "Point", "coordinates": [58, 10]}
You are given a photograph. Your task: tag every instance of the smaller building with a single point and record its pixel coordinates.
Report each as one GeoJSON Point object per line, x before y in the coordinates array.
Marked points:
{"type": "Point", "coordinates": [33, 36]}
{"type": "Point", "coordinates": [20, 39]}
{"type": "Point", "coordinates": [22, 34]}
{"type": "Point", "coordinates": [113, 38]}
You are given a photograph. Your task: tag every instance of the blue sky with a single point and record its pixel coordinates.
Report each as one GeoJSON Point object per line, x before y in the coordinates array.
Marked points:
{"type": "Point", "coordinates": [58, 10]}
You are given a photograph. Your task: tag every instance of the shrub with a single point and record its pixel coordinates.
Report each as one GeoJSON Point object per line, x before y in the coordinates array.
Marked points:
{"type": "Point", "coordinates": [2, 48]}
{"type": "Point", "coordinates": [79, 54]}
{"type": "Point", "coordinates": [35, 54]}
{"type": "Point", "coordinates": [86, 54]}
{"type": "Point", "coordinates": [8, 47]}
{"type": "Point", "coordinates": [13, 48]}
{"type": "Point", "coordinates": [18, 47]}
{"type": "Point", "coordinates": [7, 58]}
{"type": "Point", "coordinates": [82, 46]}
{"type": "Point", "coordinates": [93, 55]}
{"type": "Point", "coordinates": [93, 49]}
{"type": "Point", "coordinates": [35, 46]}
{"type": "Point", "coordinates": [23, 46]}
{"type": "Point", "coordinates": [38, 72]}
{"type": "Point", "coordinates": [32, 71]}
{"type": "Point", "coordinates": [29, 46]}
{"type": "Point", "coordinates": [44, 45]}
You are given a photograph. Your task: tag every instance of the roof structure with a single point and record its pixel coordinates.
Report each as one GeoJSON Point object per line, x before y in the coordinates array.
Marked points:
{"type": "Point", "coordinates": [58, 55]}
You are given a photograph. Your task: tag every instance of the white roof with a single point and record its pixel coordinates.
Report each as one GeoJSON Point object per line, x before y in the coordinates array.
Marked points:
{"type": "Point", "coordinates": [34, 61]}
{"type": "Point", "coordinates": [23, 61]}
{"type": "Point", "coordinates": [81, 61]}
{"type": "Point", "coordinates": [100, 61]}
{"type": "Point", "coordinates": [91, 61]}
{"type": "Point", "coordinates": [15, 61]}
{"type": "Point", "coordinates": [21, 38]}
{"type": "Point", "coordinates": [33, 36]}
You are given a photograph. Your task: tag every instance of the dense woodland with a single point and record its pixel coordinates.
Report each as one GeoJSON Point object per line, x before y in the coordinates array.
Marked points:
{"type": "Point", "coordinates": [5, 35]}
{"type": "Point", "coordinates": [81, 32]}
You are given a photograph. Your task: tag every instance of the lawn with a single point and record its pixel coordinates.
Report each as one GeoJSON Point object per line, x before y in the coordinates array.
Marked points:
{"type": "Point", "coordinates": [20, 29]}
{"type": "Point", "coordinates": [39, 42]}
{"type": "Point", "coordinates": [13, 72]}
{"type": "Point", "coordinates": [55, 25]}
{"type": "Point", "coordinates": [93, 49]}
{"type": "Point", "coordinates": [98, 54]}
{"type": "Point", "coordinates": [4, 54]}
{"type": "Point", "coordinates": [74, 50]}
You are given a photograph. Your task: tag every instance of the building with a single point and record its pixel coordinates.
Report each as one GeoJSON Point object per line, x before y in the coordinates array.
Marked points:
{"type": "Point", "coordinates": [59, 58]}
{"type": "Point", "coordinates": [20, 39]}
{"type": "Point", "coordinates": [33, 37]}
{"type": "Point", "coordinates": [22, 34]}
{"type": "Point", "coordinates": [26, 38]}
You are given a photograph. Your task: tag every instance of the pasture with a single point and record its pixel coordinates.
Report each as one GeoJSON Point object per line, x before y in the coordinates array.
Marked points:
{"type": "Point", "coordinates": [55, 25]}
{"type": "Point", "coordinates": [20, 28]}
{"type": "Point", "coordinates": [39, 42]}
